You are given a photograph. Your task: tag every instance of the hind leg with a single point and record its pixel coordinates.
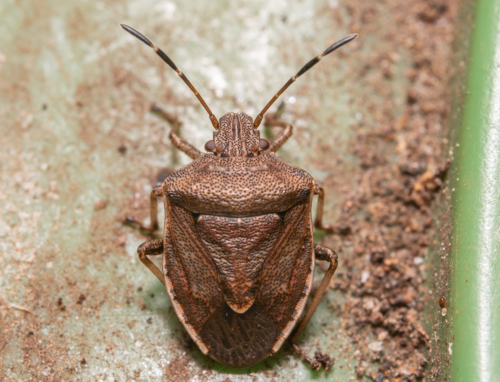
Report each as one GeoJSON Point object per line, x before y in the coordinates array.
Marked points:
{"type": "Point", "coordinates": [325, 254]}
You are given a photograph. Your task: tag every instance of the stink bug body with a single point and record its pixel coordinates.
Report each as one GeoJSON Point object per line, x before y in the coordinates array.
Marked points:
{"type": "Point", "coordinates": [238, 250]}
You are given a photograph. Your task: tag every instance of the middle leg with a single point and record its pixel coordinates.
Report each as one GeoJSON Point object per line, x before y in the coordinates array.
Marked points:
{"type": "Point", "coordinates": [151, 248]}
{"type": "Point", "coordinates": [153, 211]}
{"type": "Point", "coordinates": [318, 222]}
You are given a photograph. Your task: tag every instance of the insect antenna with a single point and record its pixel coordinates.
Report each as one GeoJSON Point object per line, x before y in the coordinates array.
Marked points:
{"type": "Point", "coordinates": [170, 63]}
{"type": "Point", "coordinates": [306, 67]}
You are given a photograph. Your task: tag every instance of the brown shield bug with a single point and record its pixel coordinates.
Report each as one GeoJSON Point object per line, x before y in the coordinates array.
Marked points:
{"type": "Point", "coordinates": [238, 250]}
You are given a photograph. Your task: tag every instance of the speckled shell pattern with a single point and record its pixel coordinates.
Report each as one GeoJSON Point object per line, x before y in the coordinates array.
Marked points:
{"type": "Point", "coordinates": [238, 253]}
{"type": "Point", "coordinates": [238, 187]}
{"type": "Point", "coordinates": [236, 136]}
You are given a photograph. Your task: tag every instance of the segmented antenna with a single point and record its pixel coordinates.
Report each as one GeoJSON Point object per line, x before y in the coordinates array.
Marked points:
{"type": "Point", "coordinates": [170, 63]}
{"type": "Point", "coordinates": [306, 67]}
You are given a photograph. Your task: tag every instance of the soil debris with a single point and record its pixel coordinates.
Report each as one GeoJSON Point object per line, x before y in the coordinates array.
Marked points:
{"type": "Point", "coordinates": [403, 165]}
{"type": "Point", "coordinates": [20, 307]}
{"type": "Point", "coordinates": [81, 299]}
{"type": "Point", "coordinates": [100, 205]}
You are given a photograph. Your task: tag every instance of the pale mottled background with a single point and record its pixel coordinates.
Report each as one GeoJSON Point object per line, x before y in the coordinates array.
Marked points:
{"type": "Point", "coordinates": [74, 87]}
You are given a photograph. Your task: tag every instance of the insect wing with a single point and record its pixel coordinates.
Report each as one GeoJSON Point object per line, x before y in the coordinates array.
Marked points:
{"type": "Point", "coordinates": [286, 278]}
{"type": "Point", "coordinates": [191, 277]}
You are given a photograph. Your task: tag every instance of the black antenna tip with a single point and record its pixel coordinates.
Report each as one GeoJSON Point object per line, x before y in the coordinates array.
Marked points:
{"type": "Point", "coordinates": [338, 44]}
{"type": "Point", "coordinates": [138, 35]}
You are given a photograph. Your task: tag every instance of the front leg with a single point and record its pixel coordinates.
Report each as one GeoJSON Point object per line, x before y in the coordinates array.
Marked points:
{"type": "Point", "coordinates": [282, 137]}
{"type": "Point", "coordinates": [274, 120]}
{"type": "Point", "coordinates": [325, 254]}
{"type": "Point", "coordinates": [177, 141]}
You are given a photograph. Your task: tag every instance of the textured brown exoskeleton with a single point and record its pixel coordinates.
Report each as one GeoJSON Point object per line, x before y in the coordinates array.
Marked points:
{"type": "Point", "coordinates": [238, 251]}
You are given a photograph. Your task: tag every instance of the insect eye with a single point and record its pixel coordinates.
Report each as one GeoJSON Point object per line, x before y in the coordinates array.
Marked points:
{"type": "Point", "coordinates": [264, 144]}
{"type": "Point", "coordinates": [210, 146]}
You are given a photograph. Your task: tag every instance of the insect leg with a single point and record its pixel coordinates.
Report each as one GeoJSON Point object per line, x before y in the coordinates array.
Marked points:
{"type": "Point", "coordinates": [178, 142]}
{"type": "Point", "coordinates": [318, 222]}
{"type": "Point", "coordinates": [274, 120]}
{"type": "Point", "coordinates": [151, 248]}
{"type": "Point", "coordinates": [282, 136]}
{"type": "Point", "coordinates": [153, 210]}
{"type": "Point", "coordinates": [325, 254]}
